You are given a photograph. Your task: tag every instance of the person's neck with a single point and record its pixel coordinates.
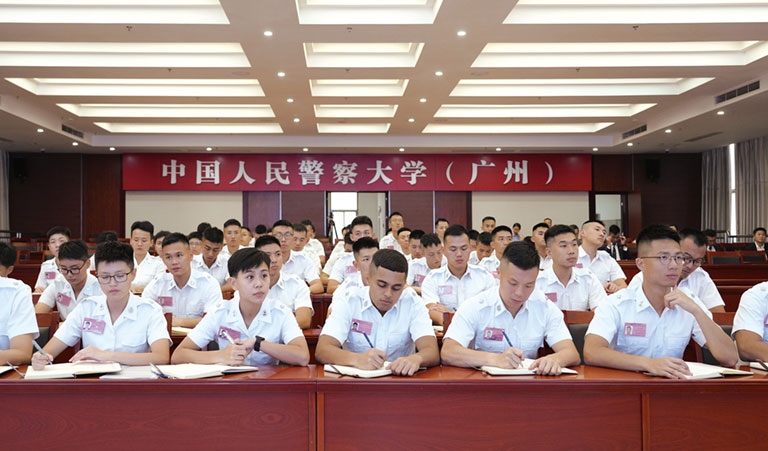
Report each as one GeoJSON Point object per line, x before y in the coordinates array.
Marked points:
{"type": "Point", "coordinates": [182, 279]}
{"type": "Point", "coordinates": [211, 263]}
{"type": "Point", "coordinates": [78, 287]}
{"type": "Point", "coordinates": [759, 244]}
{"type": "Point", "coordinates": [232, 248]}
{"type": "Point", "coordinates": [116, 306]}
{"type": "Point", "coordinates": [563, 273]}
{"type": "Point", "coordinates": [249, 310]}
{"type": "Point", "coordinates": [457, 271]}
{"type": "Point", "coordinates": [286, 255]}
{"type": "Point", "coordinates": [513, 309]}
{"type": "Point", "coordinates": [655, 295]}
{"type": "Point", "coordinates": [273, 279]}
{"type": "Point", "coordinates": [542, 252]}
{"type": "Point", "coordinates": [590, 249]}
{"type": "Point", "coordinates": [140, 257]}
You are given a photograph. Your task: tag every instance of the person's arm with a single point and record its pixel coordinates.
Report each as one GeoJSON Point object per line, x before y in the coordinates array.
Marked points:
{"type": "Point", "coordinates": [552, 364]}
{"type": "Point", "coordinates": [426, 355]}
{"type": "Point", "coordinates": [19, 351]}
{"type": "Point", "coordinates": [53, 348]}
{"type": "Point", "coordinates": [304, 317]}
{"type": "Point", "coordinates": [189, 352]}
{"type": "Point", "coordinates": [432, 300]}
{"type": "Point", "coordinates": [159, 354]}
{"type": "Point", "coordinates": [47, 301]}
{"type": "Point", "coordinates": [454, 354]}
{"type": "Point", "coordinates": [333, 284]}
{"type": "Point", "coordinates": [751, 346]}
{"type": "Point", "coordinates": [296, 352]}
{"type": "Point", "coordinates": [185, 322]}
{"type": "Point", "coordinates": [597, 293]}
{"type": "Point", "coordinates": [42, 307]}
{"type": "Point", "coordinates": [329, 351]}
{"type": "Point", "coordinates": [597, 352]}
{"type": "Point", "coordinates": [316, 286]}
{"type": "Point", "coordinates": [615, 285]}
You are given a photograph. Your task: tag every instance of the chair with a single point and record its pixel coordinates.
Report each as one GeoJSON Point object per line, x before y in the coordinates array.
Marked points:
{"type": "Point", "coordinates": [753, 256]}
{"type": "Point", "coordinates": [725, 321]}
{"type": "Point", "coordinates": [169, 321]}
{"type": "Point", "coordinates": [47, 324]}
{"type": "Point", "coordinates": [447, 318]}
{"type": "Point", "coordinates": [578, 322]}
{"type": "Point", "coordinates": [724, 258]}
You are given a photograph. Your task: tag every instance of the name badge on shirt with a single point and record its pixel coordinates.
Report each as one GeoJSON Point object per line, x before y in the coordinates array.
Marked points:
{"type": "Point", "coordinates": [165, 301]}
{"type": "Point", "coordinates": [95, 326]}
{"type": "Point", "coordinates": [350, 269]}
{"type": "Point", "coordinates": [579, 265]}
{"type": "Point", "coordinates": [634, 330]}
{"type": "Point", "coordinates": [495, 274]}
{"type": "Point", "coordinates": [232, 333]}
{"type": "Point", "coordinates": [63, 299]}
{"type": "Point", "coordinates": [444, 289]}
{"type": "Point", "coordinates": [551, 296]}
{"type": "Point", "coordinates": [361, 327]}
{"type": "Point", "coordinates": [419, 278]}
{"type": "Point", "coordinates": [493, 334]}
{"type": "Point", "coordinates": [50, 275]}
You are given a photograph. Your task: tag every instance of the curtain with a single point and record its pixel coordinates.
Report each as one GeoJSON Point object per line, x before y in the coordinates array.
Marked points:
{"type": "Point", "coordinates": [751, 185]}
{"type": "Point", "coordinates": [715, 198]}
{"type": "Point", "coordinates": [5, 222]}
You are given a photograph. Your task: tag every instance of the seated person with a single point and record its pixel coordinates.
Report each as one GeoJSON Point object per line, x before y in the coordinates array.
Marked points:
{"type": "Point", "coordinates": [433, 259]}
{"type": "Point", "coordinates": [296, 263]}
{"type": "Point", "coordinates": [232, 230]}
{"type": "Point", "coordinates": [49, 269]}
{"type": "Point", "coordinates": [102, 237]}
{"type": "Point", "coordinates": [415, 251]}
{"type": "Point", "coordinates": [117, 326]}
{"type": "Point", "coordinates": [363, 250]}
{"type": "Point", "coordinates": [693, 278]}
{"type": "Point", "coordinates": [74, 284]}
{"type": "Point", "coordinates": [712, 245]}
{"type": "Point", "coordinates": [245, 236]}
{"type": "Point", "coordinates": [445, 289]}
{"type": "Point", "coordinates": [300, 241]}
{"type": "Point", "coordinates": [484, 248]}
{"type": "Point", "coordinates": [390, 240]}
{"type": "Point", "coordinates": [488, 224]}
{"type": "Point", "coordinates": [359, 227]}
{"type": "Point", "coordinates": [372, 331]}
{"type": "Point", "coordinates": [441, 225]}
{"type": "Point", "coordinates": [183, 291]}
{"type": "Point", "coordinates": [537, 238]}
{"type": "Point", "coordinates": [195, 243]}
{"type": "Point", "coordinates": [403, 236]}
{"type": "Point", "coordinates": [502, 326]}
{"type": "Point", "coordinates": [516, 232]}
{"type": "Point", "coordinates": [616, 244]}
{"type": "Point", "coordinates": [18, 326]}
{"type": "Point", "coordinates": [157, 242]}
{"type": "Point", "coordinates": [285, 288]}
{"type": "Point", "coordinates": [750, 328]}
{"type": "Point", "coordinates": [313, 243]}
{"type": "Point", "coordinates": [263, 331]}
{"type": "Point", "coordinates": [647, 328]}
{"type": "Point", "coordinates": [147, 266]}
{"type": "Point", "coordinates": [501, 236]}
{"type": "Point", "coordinates": [336, 253]}
{"type": "Point", "coordinates": [602, 265]}
{"type": "Point", "coordinates": [570, 288]}
{"type": "Point", "coordinates": [212, 260]}
{"type": "Point", "coordinates": [758, 241]}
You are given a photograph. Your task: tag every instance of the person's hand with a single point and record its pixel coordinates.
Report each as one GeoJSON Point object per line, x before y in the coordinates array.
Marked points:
{"type": "Point", "coordinates": [547, 366]}
{"type": "Point", "coordinates": [39, 361]}
{"type": "Point", "coordinates": [439, 308]}
{"type": "Point", "coordinates": [611, 288]}
{"type": "Point", "coordinates": [676, 298]}
{"type": "Point", "coordinates": [406, 366]}
{"type": "Point", "coordinates": [669, 367]}
{"type": "Point", "coordinates": [372, 359]}
{"type": "Point", "coordinates": [90, 353]}
{"type": "Point", "coordinates": [511, 358]}
{"type": "Point", "coordinates": [623, 240]}
{"type": "Point", "coordinates": [234, 354]}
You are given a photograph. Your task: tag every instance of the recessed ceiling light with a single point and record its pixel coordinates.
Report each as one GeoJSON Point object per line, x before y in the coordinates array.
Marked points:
{"type": "Point", "coordinates": [669, 130]}
{"type": "Point", "coordinates": [411, 120]}
{"type": "Point", "coordinates": [296, 120]}
{"type": "Point", "coordinates": [40, 130]}
{"type": "Point", "coordinates": [281, 74]}
{"type": "Point", "coordinates": [208, 149]}
{"type": "Point", "coordinates": [267, 33]}
{"type": "Point", "coordinates": [498, 149]}
{"type": "Point", "coordinates": [439, 73]}
{"type": "Point", "coordinates": [289, 100]}
{"type": "Point", "coordinates": [461, 33]}
{"type": "Point", "coordinates": [306, 149]}
{"type": "Point", "coordinates": [720, 113]}
{"type": "Point", "coordinates": [630, 144]}
{"type": "Point", "coordinates": [423, 100]}
{"type": "Point", "coordinates": [594, 149]}
{"type": "Point", "coordinates": [402, 149]}
{"type": "Point", "coordinates": [111, 149]}
{"type": "Point", "coordinates": [143, 87]}
{"type": "Point", "coordinates": [74, 143]}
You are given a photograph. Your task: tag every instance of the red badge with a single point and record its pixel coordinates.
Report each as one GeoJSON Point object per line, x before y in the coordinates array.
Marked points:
{"type": "Point", "coordinates": [634, 329]}
{"type": "Point", "coordinates": [95, 326]}
{"type": "Point", "coordinates": [361, 327]}
{"type": "Point", "coordinates": [419, 278]}
{"type": "Point", "coordinates": [444, 289]}
{"type": "Point", "coordinates": [579, 265]}
{"type": "Point", "coordinates": [495, 274]}
{"type": "Point", "coordinates": [232, 333]}
{"type": "Point", "coordinates": [63, 299]}
{"type": "Point", "coordinates": [165, 301]}
{"type": "Point", "coordinates": [50, 275]}
{"type": "Point", "coordinates": [493, 334]}
{"type": "Point", "coordinates": [551, 296]}
{"type": "Point", "coordinates": [351, 269]}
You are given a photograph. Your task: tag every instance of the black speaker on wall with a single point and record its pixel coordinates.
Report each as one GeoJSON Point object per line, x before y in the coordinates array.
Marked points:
{"type": "Point", "coordinates": [19, 168]}
{"type": "Point", "coordinates": [653, 169]}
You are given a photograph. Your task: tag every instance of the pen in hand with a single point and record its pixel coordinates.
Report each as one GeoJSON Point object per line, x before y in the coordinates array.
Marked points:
{"type": "Point", "coordinates": [368, 339]}
{"type": "Point", "coordinates": [504, 332]}
{"type": "Point", "coordinates": [40, 350]}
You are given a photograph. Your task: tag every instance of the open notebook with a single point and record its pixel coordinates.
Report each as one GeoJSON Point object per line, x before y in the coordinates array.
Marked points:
{"type": "Point", "coordinates": [70, 370]}
{"type": "Point", "coordinates": [181, 330]}
{"type": "Point", "coordinates": [704, 371]}
{"type": "Point", "coordinates": [4, 369]}
{"type": "Point", "coordinates": [357, 372]}
{"type": "Point", "coordinates": [524, 371]}
{"type": "Point", "coordinates": [200, 371]}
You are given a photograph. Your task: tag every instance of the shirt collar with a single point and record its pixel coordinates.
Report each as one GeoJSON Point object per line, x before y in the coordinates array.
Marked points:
{"type": "Point", "coordinates": [192, 282]}
{"type": "Point", "coordinates": [132, 308]}
{"type": "Point", "coordinates": [264, 315]}
{"type": "Point", "coordinates": [641, 301]}
{"type": "Point", "coordinates": [549, 273]}
{"type": "Point", "coordinates": [499, 308]}
{"type": "Point", "coordinates": [368, 303]}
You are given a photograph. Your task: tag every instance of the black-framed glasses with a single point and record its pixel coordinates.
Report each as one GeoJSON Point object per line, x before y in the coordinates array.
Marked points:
{"type": "Point", "coordinates": [119, 277]}
{"type": "Point", "coordinates": [679, 259]}
{"type": "Point", "coordinates": [73, 271]}
{"type": "Point", "coordinates": [688, 260]}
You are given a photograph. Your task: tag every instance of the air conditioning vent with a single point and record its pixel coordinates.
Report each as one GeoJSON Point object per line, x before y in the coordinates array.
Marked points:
{"type": "Point", "coordinates": [738, 92]}
{"type": "Point", "coordinates": [634, 132]}
{"type": "Point", "coordinates": [72, 131]}
{"type": "Point", "coordinates": [6, 140]}
{"type": "Point", "coordinates": [699, 138]}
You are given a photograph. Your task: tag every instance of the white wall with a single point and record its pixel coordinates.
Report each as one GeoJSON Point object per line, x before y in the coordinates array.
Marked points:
{"type": "Point", "coordinates": [529, 208]}
{"type": "Point", "coordinates": [182, 211]}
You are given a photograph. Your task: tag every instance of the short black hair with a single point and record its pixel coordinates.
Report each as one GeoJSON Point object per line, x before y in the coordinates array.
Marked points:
{"type": "Point", "coordinates": [487, 218]}
{"type": "Point", "coordinates": [265, 240]}
{"type": "Point", "coordinates": [247, 259]}
{"type": "Point", "coordinates": [501, 228]}
{"type": "Point", "coordinates": [214, 235]}
{"type": "Point", "coordinates": [574, 227]}
{"type": "Point", "coordinates": [394, 213]}
{"type": "Point", "coordinates": [416, 235]}
{"type": "Point", "coordinates": [308, 223]}
{"type": "Point", "coordinates": [74, 250]}
{"type": "Point", "coordinates": [517, 224]}
{"type": "Point", "coordinates": [439, 220]}
{"type": "Point", "coordinates": [245, 228]}
{"type": "Point", "coordinates": [555, 230]}
{"type": "Point", "coordinates": [195, 236]}
{"type": "Point", "coordinates": [260, 229]}
{"type": "Point", "coordinates": [144, 226]}
{"type": "Point", "coordinates": [365, 242]}
{"type": "Point", "coordinates": [473, 234]}
{"type": "Point", "coordinates": [456, 230]}
{"type": "Point", "coordinates": [231, 222]}
{"type": "Point", "coordinates": [390, 259]}
{"type": "Point", "coordinates": [485, 238]}
{"type": "Point", "coordinates": [299, 227]}
{"type": "Point", "coordinates": [348, 238]}
{"type": "Point", "coordinates": [656, 232]}
{"type": "Point", "coordinates": [282, 223]}
{"type": "Point", "coordinates": [58, 230]}
{"type": "Point", "coordinates": [106, 235]}
{"type": "Point", "coordinates": [521, 254]}
{"type": "Point", "coordinates": [7, 255]}
{"type": "Point", "coordinates": [614, 229]}
{"type": "Point", "coordinates": [175, 237]}
{"type": "Point", "coordinates": [430, 239]}
{"type": "Point", "coordinates": [161, 234]}
{"type": "Point", "coordinates": [758, 229]}
{"type": "Point", "coordinates": [592, 220]}
{"type": "Point", "coordinates": [202, 226]}
{"type": "Point", "coordinates": [539, 225]}
{"type": "Point", "coordinates": [698, 237]}
{"type": "Point", "coordinates": [114, 251]}
{"type": "Point", "coordinates": [361, 220]}
{"type": "Point", "coordinates": [403, 229]}
{"type": "Point", "coordinates": [711, 233]}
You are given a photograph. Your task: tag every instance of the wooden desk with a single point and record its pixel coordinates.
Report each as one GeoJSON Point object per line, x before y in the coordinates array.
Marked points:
{"type": "Point", "coordinates": [320, 303]}
{"type": "Point", "coordinates": [273, 408]}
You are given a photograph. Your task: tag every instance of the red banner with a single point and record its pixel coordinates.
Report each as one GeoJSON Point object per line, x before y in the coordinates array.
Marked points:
{"type": "Point", "coordinates": [350, 172]}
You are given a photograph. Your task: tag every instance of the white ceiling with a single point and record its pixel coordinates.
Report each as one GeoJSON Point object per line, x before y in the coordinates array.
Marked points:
{"type": "Point", "coordinates": [531, 75]}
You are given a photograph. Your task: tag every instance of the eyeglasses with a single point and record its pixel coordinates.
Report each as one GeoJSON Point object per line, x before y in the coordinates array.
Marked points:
{"type": "Point", "coordinates": [679, 259]}
{"type": "Point", "coordinates": [287, 235]}
{"type": "Point", "coordinates": [119, 277]}
{"type": "Point", "coordinates": [73, 271]}
{"type": "Point", "coordinates": [688, 260]}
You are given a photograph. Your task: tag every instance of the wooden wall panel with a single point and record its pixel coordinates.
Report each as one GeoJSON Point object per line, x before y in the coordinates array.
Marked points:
{"type": "Point", "coordinates": [611, 173]}
{"type": "Point", "coordinates": [261, 207]}
{"type": "Point", "coordinates": [455, 206]}
{"type": "Point", "coordinates": [300, 205]}
{"type": "Point", "coordinates": [675, 198]}
{"type": "Point", "coordinates": [103, 195]}
{"type": "Point", "coordinates": [416, 207]}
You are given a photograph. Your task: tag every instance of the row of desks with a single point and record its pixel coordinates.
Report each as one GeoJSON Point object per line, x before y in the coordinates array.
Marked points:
{"type": "Point", "coordinates": [440, 408]}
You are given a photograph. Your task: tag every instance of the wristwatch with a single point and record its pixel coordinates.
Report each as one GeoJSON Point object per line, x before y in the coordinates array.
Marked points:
{"type": "Point", "coordinates": [257, 343]}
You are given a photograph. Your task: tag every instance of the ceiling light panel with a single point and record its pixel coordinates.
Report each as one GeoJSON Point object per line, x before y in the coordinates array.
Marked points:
{"type": "Point", "coordinates": [201, 128]}
{"type": "Point", "coordinates": [342, 12]}
{"type": "Point", "coordinates": [353, 111]}
{"type": "Point", "coordinates": [635, 12]}
{"type": "Point", "coordinates": [585, 87]}
{"type": "Point", "coordinates": [621, 54]}
{"type": "Point", "coordinates": [528, 111]}
{"type": "Point", "coordinates": [113, 11]}
{"type": "Point", "coordinates": [168, 110]}
{"type": "Point", "coordinates": [352, 128]}
{"type": "Point", "coordinates": [131, 87]}
{"type": "Point", "coordinates": [122, 54]}
{"type": "Point", "coordinates": [374, 54]}
{"type": "Point", "coordinates": [515, 128]}
{"type": "Point", "coordinates": [358, 88]}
